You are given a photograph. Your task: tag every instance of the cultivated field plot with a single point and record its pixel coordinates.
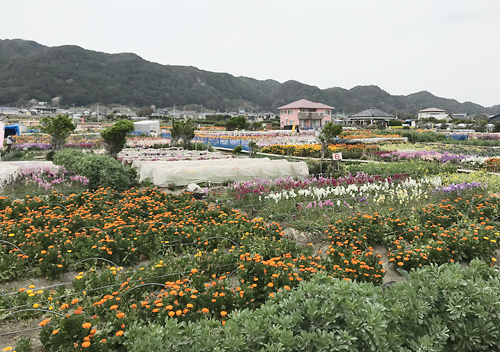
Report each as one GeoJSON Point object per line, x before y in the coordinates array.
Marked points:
{"type": "Point", "coordinates": [203, 261]}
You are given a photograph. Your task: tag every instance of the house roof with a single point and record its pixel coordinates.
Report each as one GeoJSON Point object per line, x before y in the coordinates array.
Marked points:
{"type": "Point", "coordinates": [372, 113]}
{"type": "Point", "coordinates": [305, 104]}
{"type": "Point", "coordinates": [432, 110]}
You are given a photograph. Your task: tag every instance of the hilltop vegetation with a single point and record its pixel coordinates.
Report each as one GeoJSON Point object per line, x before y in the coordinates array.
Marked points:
{"type": "Point", "coordinates": [30, 70]}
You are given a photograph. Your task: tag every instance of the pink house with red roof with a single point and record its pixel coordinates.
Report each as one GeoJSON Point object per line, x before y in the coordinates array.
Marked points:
{"type": "Point", "coordinates": [305, 113]}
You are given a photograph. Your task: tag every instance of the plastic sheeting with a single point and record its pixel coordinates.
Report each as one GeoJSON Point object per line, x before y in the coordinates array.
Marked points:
{"type": "Point", "coordinates": [182, 173]}
{"type": "Point", "coordinates": [11, 168]}
{"type": "Point", "coordinates": [127, 156]}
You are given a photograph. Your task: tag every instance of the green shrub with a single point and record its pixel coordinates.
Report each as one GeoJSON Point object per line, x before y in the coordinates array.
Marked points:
{"type": "Point", "coordinates": [115, 136]}
{"type": "Point", "coordinates": [59, 128]}
{"type": "Point", "coordinates": [101, 170]}
{"type": "Point", "coordinates": [15, 155]}
{"type": "Point", "coordinates": [443, 308]}
{"type": "Point", "coordinates": [395, 123]}
{"type": "Point", "coordinates": [238, 149]}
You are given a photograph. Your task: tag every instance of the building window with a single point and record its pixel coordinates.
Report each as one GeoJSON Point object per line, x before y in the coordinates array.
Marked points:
{"type": "Point", "coordinates": [327, 112]}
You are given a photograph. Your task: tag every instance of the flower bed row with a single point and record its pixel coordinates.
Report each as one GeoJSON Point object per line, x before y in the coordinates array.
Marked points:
{"type": "Point", "coordinates": [259, 187]}
{"type": "Point", "coordinates": [314, 150]}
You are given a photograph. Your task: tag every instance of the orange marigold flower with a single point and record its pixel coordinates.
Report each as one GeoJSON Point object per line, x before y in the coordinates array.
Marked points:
{"type": "Point", "coordinates": [86, 344]}
{"type": "Point", "coordinates": [223, 313]}
{"type": "Point", "coordinates": [119, 333]}
{"type": "Point", "coordinates": [75, 301]}
{"type": "Point", "coordinates": [189, 305]}
{"type": "Point", "coordinates": [120, 315]}
{"type": "Point", "coordinates": [55, 332]}
{"type": "Point", "coordinates": [113, 307]}
{"type": "Point", "coordinates": [270, 284]}
{"type": "Point", "coordinates": [86, 325]}
{"type": "Point", "coordinates": [103, 340]}
{"type": "Point", "coordinates": [205, 310]}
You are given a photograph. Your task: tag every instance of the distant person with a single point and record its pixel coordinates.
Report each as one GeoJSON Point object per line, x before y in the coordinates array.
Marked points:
{"type": "Point", "coordinates": [153, 134]}
{"type": "Point", "coordinates": [10, 142]}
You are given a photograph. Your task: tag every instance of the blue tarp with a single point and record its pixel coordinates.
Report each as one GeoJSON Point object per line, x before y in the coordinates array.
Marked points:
{"type": "Point", "coordinates": [217, 142]}
{"type": "Point", "coordinates": [459, 137]}
{"type": "Point", "coordinates": [12, 131]}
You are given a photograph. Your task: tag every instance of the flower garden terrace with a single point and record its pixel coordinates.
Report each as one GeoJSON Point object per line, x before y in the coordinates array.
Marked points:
{"type": "Point", "coordinates": [205, 260]}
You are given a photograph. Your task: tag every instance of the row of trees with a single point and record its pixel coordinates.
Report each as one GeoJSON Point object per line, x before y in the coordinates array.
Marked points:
{"type": "Point", "coordinates": [60, 128]}
{"type": "Point", "coordinates": [115, 136]}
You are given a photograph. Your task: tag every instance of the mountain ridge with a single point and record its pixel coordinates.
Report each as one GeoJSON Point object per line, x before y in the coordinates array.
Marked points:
{"type": "Point", "coordinates": [82, 77]}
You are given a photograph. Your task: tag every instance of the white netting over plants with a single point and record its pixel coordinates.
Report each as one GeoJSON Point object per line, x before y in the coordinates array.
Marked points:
{"type": "Point", "coordinates": [181, 173]}
{"type": "Point", "coordinates": [10, 169]}
{"type": "Point", "coordinates": [127, 156]}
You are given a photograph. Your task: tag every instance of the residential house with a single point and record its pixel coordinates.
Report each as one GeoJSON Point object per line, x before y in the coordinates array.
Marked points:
{"type": "Point", "coordinates": [42, 109]}
{"type": "Point", "coordinates": [306, 114]}
{"type": "Point", "coordinates": [436, 113]}
{"type": "Point", "coordinates": [370, 116]}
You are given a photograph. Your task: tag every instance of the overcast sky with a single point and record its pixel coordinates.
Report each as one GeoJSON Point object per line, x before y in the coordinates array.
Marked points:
{"type": "Point", "coordinates": [448, 47]}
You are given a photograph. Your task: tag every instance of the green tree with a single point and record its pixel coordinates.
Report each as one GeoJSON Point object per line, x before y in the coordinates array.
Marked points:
{"type": "Point", "coordinates": [145, 112]}
{"type": "Point", "coordinates": [115, 136]}
{"type": "Point", "coordinates": [182, 130]}
{"type": "Point", "coordinates": [253, 148]}
{"type": "Point", "coordinates": [327, 136]}
{"type": "Point", "coordinates": [237, 122]}
{"type": "Point", "coordinates": [188, 135]}
{"type": "Point", "coordinates": [59, 128]}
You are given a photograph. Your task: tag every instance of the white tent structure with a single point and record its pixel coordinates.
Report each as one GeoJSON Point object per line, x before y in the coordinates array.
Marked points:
{"type": "Point", "coordinates": [22, 127]}
{"type": "Point", "coordinates": [182, 173]}
{"type": "Point", "coordinates": [147, 126]}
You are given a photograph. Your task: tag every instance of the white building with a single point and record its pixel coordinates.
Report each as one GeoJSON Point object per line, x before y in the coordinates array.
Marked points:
{"type": "Point", "coordinates": [438, 114]}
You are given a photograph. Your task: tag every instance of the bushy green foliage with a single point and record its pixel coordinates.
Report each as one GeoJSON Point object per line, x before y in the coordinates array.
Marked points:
{"type": "Point", "coordinates": [115, 136]}
{"type": "Point", "coordinates": [237, 122]}
{"type": "Point", "coordinates": [59, 128]}
{"type": "Point", "coordinates": [443, 308]}
{"type": "Point", "coordinates": [395, 123]}
{"type": "Point", "coordinates": [254, 148]}
{"type": "Point", "coordinates": [182, 130]}
{"type": "Point", "coordinates": [12, 156]}
{"type": "Point", "coordinates": [238, 149]}
{"type": "Point", "coordinates": [101, 170]}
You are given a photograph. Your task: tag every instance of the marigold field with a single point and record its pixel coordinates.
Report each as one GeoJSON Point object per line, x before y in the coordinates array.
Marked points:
{"type": "Point", "coordinates": [146, 256]}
